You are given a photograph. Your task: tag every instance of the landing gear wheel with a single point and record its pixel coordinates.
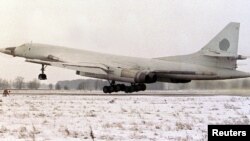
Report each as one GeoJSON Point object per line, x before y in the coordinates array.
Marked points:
{"type": "Point", "coordinates": [118, 87]}
{"type": "Point", "coordinates": [136, 88]}
{"type": "Point", "coordinates": [129, 89]}
{"type": "Point", "coordinates": [42, 76]}
{"type": "Point", "coordinates": [111, 89]}
{"type": "Point", "coordinates": [126, 90]}
{"type": "Point", "coordinates": [121, 87]}
{"type": "Point", "coordinates": [106, 89]}
{"type": "Point", "coordinates": [142, 87]}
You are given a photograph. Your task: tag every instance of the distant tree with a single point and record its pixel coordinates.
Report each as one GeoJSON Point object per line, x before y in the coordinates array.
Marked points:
{"type": "Point", "coordinates": [19, 82]}
{"type": "Point", "coordinates": [95, 84]}
{"type": "Point", "coordinates": [246, 84]}
{"type": "Point", "coordinates": [81, 86]}
{"type": "Point", "coordinates": [222, 84]}
{"type": "Point", "coordinates": [58, 86]}
{"type": "Point", "coordinates": [34, 84]}
{"type": "Point", "coordinates": [66, 87]}
{"type": "Point", "coordinates": [4, 84]}
{"type": "Point", "coordinates": [90, 84]}
{"type": "Point", "coordinates": [50, 86]}
{"type": "Point", "coordinates": [99, 84]}
{"type": "Point", "coordinates": [232, 84]}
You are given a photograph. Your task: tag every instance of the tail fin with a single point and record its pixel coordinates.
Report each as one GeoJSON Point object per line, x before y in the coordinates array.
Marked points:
{"type": "Point", "coordinates": [225, 43]}
{"type": "Point", "coordinates": [220, 52]}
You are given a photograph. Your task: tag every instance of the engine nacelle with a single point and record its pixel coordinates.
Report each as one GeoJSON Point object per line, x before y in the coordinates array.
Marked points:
{"type": "Point", "coordinates": [140, 76]}
{"type": "Point", "coordinates": [145, 77]}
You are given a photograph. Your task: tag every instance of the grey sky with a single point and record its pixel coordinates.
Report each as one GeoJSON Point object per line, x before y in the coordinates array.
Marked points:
{"type": "Point", "coordinates": [142, 28]}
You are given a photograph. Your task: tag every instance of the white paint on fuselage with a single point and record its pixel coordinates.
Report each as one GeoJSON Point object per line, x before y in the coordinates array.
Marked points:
{"type": "Point", "coordinates": [42, 51]}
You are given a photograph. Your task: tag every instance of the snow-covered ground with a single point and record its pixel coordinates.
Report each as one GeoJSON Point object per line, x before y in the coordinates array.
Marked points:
{"type": "Point", "coordinates": [57, 117]}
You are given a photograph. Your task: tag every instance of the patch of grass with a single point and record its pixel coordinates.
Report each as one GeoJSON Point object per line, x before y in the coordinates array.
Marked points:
{"type": "Point", "coordinates": [183, 126]}
{"type": "Point", "coordinates": [3, 129]}
{"type": "Point", "coordinates": [230, 106]}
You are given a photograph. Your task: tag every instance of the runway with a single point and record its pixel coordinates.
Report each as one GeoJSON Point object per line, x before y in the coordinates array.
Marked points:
{"type": "Point", "coordinates": [166, 93]}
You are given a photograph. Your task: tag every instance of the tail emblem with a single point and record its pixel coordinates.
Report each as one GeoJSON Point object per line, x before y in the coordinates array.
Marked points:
{"type": "Point", "coordinates": [224, 45]}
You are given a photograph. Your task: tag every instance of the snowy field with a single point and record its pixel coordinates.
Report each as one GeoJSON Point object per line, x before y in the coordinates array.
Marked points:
{"type": "Point", "coordinates": [114, 118]}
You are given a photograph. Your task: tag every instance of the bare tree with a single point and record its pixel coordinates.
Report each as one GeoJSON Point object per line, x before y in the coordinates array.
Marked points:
{"type": "Point", "coordinates": [66, 87]}
{"type": "Point", "coordinates": [19, 82]}
{"type": "Point", "coordinates": [81, 86]}
{"type": "Point", "coordinates": [4, 84]}
{"type": "Point", "coordinates": [50, 86]}
{"type": "Point", "coordinates": [34, 84]}
{"type": "Point", "coordinates": [246, 84]}
{"type": "Point", "coordinates": [58, 86]}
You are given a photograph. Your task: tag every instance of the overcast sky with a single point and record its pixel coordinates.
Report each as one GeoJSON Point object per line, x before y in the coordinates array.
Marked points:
{"type": "Point", "coordinates": [142, 28]}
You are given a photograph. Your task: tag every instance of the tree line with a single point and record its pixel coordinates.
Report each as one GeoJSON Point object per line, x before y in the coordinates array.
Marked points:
{"type": "Point", "coordinates": [19, 83]}
{"type": "Point", "coordinates": [213, 84]}
{"type": "Point", "coordinates": [96, 84]}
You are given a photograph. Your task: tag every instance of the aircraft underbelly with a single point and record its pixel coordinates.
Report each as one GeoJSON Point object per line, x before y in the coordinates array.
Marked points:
{"type": "Point", "coordinates": [187, 77]}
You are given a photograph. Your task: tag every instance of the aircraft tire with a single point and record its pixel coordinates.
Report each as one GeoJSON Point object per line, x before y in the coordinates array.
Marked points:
{"type": "Point", "coordinates": [117, 88]}
{"type": "Point", "coordinates": [111, 89]}
{"type": "Point", "coordinates": [142, 87]}
{"type": "Point", "coordinates": [42, 76]}
{"type": "Point", "coordinates": [105, 89]}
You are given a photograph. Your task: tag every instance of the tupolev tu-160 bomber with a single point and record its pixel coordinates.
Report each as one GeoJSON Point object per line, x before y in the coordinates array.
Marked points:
{"type": "Point", "coordinates": [133, 70]}
{"type": "Point", "coordinates": [216, 60]}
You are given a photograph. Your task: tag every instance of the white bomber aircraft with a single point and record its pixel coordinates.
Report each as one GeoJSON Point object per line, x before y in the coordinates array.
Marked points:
{"type": "Point", "coordinates": [216, 60]}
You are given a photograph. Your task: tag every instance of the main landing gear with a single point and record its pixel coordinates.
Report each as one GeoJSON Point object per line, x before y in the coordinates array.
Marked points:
{"type": "Point", "coordinates": [121, 87]}
{"type": "Point", "coordinates": [42, 76]}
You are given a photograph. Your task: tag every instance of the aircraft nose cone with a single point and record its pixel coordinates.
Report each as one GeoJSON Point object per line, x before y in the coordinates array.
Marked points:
{"type": "Point", "coordinates": [2, 50]}
{"type": "Point", "coordinates": [8, 50]}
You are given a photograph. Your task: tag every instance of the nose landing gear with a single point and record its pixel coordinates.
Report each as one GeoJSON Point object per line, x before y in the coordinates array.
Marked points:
{"type": "Point", "coordinates": [42, 76]}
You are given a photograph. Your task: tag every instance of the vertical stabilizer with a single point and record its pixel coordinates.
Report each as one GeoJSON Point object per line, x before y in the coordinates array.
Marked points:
{"type": "Point", "coordinates": [220, 52]}
{"type": "Point", "coordinates": [225, 43]}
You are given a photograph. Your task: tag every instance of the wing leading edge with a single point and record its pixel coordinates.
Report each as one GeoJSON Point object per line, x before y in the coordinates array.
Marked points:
{"type": "Point", "coordinates": [83, 67]}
